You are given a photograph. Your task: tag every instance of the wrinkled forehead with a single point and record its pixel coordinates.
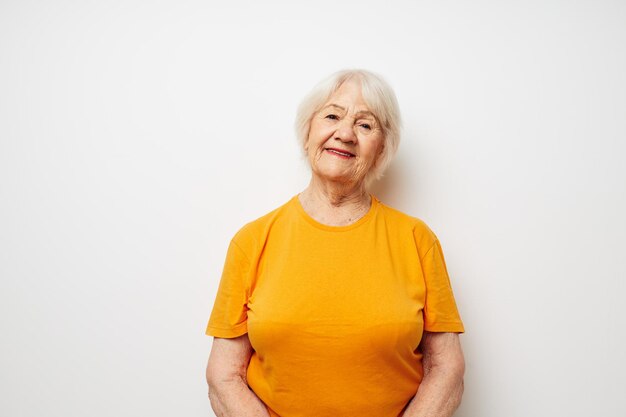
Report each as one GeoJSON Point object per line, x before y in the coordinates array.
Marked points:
{"type": "Point", "coordinates": [349, 96]}
{"type": "Point", "coordinates": [371, 97]}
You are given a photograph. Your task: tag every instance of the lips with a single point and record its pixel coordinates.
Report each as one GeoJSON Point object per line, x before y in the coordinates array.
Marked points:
{"type": "Point", "coordinates": [340, 152]}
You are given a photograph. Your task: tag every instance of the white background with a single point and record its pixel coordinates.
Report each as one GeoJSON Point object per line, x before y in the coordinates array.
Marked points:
{"type": "Point", "coordinates": [137, 137]}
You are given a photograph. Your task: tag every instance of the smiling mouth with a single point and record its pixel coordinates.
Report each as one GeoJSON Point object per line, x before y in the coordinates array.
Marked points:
{"type": "Point", "coordinates": [340, 153]}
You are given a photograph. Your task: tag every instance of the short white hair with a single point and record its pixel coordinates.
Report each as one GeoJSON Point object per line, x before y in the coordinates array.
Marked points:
{"type": "Point", "coordinates": [380, 99]}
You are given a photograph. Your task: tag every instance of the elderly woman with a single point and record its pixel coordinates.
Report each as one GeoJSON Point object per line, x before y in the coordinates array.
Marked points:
{"type": "Point", "coordinates": [335, 304]}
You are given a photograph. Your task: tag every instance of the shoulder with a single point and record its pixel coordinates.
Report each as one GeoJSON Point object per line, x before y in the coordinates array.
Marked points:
{"type": "Point", "coordinates": [423, 235]}
{"type": "Point", "coordinates": [251, 235]}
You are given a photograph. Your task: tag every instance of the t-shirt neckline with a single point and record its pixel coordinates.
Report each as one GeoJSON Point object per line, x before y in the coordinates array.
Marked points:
{"type": "Point", "coordinates": [370, 213]}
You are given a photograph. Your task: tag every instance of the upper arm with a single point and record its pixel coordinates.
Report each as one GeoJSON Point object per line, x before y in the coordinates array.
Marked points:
{"type": "Point", "coordinates": [442, 350]}
{"type": "Point", "coordinates": [229, 315]}
{"type": "Point", "coordinates": [440, 310]}
{"type": "Point", "coordinates": [229, 359]}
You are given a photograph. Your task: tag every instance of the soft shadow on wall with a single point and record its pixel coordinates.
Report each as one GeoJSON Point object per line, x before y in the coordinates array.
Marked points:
{"type": "Point", "coordinates": [396, 188]}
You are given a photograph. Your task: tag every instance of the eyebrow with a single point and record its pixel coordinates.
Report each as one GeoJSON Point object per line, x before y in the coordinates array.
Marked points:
{"type": "Point", "coordinates": [362, 112]}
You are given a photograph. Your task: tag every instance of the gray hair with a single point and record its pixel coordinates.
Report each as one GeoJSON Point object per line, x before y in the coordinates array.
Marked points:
{"type": "Point", "coordinates": [381, 101]}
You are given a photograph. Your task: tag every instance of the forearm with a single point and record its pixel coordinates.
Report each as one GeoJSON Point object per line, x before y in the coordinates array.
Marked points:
{"type": "Point", "coordinates": [439, 394]}
{"type": "Point", "coordinates": [234, 398]}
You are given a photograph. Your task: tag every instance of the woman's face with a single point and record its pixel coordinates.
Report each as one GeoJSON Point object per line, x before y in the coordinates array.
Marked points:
{"type": "Point", "coordinates": [344, 125]}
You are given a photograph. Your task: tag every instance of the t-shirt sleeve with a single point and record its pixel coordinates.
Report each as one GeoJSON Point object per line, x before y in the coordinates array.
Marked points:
{"type": "Point", "coordinates": [440, 310]}
{"type": "Point", "coordinates": [229, 315]}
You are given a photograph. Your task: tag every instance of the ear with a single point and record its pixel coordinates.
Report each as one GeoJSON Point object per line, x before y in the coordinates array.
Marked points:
{"type": "Point", "coordinates": [306, 142]}
{"type": "Point", "coordinates": [379, 154]}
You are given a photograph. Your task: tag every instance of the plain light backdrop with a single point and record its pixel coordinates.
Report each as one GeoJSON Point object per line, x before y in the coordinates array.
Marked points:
{"type": "Point", "coordinates": [136, 137]}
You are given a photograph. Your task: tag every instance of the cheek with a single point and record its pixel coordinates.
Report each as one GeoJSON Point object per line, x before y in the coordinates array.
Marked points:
{"type": "Point", "coordinates": [374, 148]}
{"type": "Point", "coordinates": [319, 130]}
{"type": "Point", "coordinates": [316, 141]}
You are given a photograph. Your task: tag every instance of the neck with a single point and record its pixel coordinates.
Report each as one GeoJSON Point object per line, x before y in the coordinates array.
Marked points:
{"type": "Point", "coordinates": [335, 204]}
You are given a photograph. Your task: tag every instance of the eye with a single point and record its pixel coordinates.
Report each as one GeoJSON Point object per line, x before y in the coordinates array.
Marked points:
{"type": "Point", "coordinates": [332, 117]}
{"type": "Point", "coordinates": [366, 126]}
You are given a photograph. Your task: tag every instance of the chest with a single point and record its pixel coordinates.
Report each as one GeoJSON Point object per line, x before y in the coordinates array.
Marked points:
{"type": "Point", "coordinates": [343, 279]}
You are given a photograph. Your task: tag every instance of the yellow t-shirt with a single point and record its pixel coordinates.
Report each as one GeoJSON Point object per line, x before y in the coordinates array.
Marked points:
{"type": "Point", "coordinates": [335, 314]}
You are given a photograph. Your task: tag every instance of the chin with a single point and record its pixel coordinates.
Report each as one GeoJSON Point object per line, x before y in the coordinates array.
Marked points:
{"type": "Point", "coordinates": [342, 179]}
{"type": "Point", "coordinates": [331, 172]}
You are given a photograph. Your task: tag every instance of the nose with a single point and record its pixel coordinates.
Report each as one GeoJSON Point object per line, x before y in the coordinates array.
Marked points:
{"type": "Point", "coordinates": [345, 131]}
